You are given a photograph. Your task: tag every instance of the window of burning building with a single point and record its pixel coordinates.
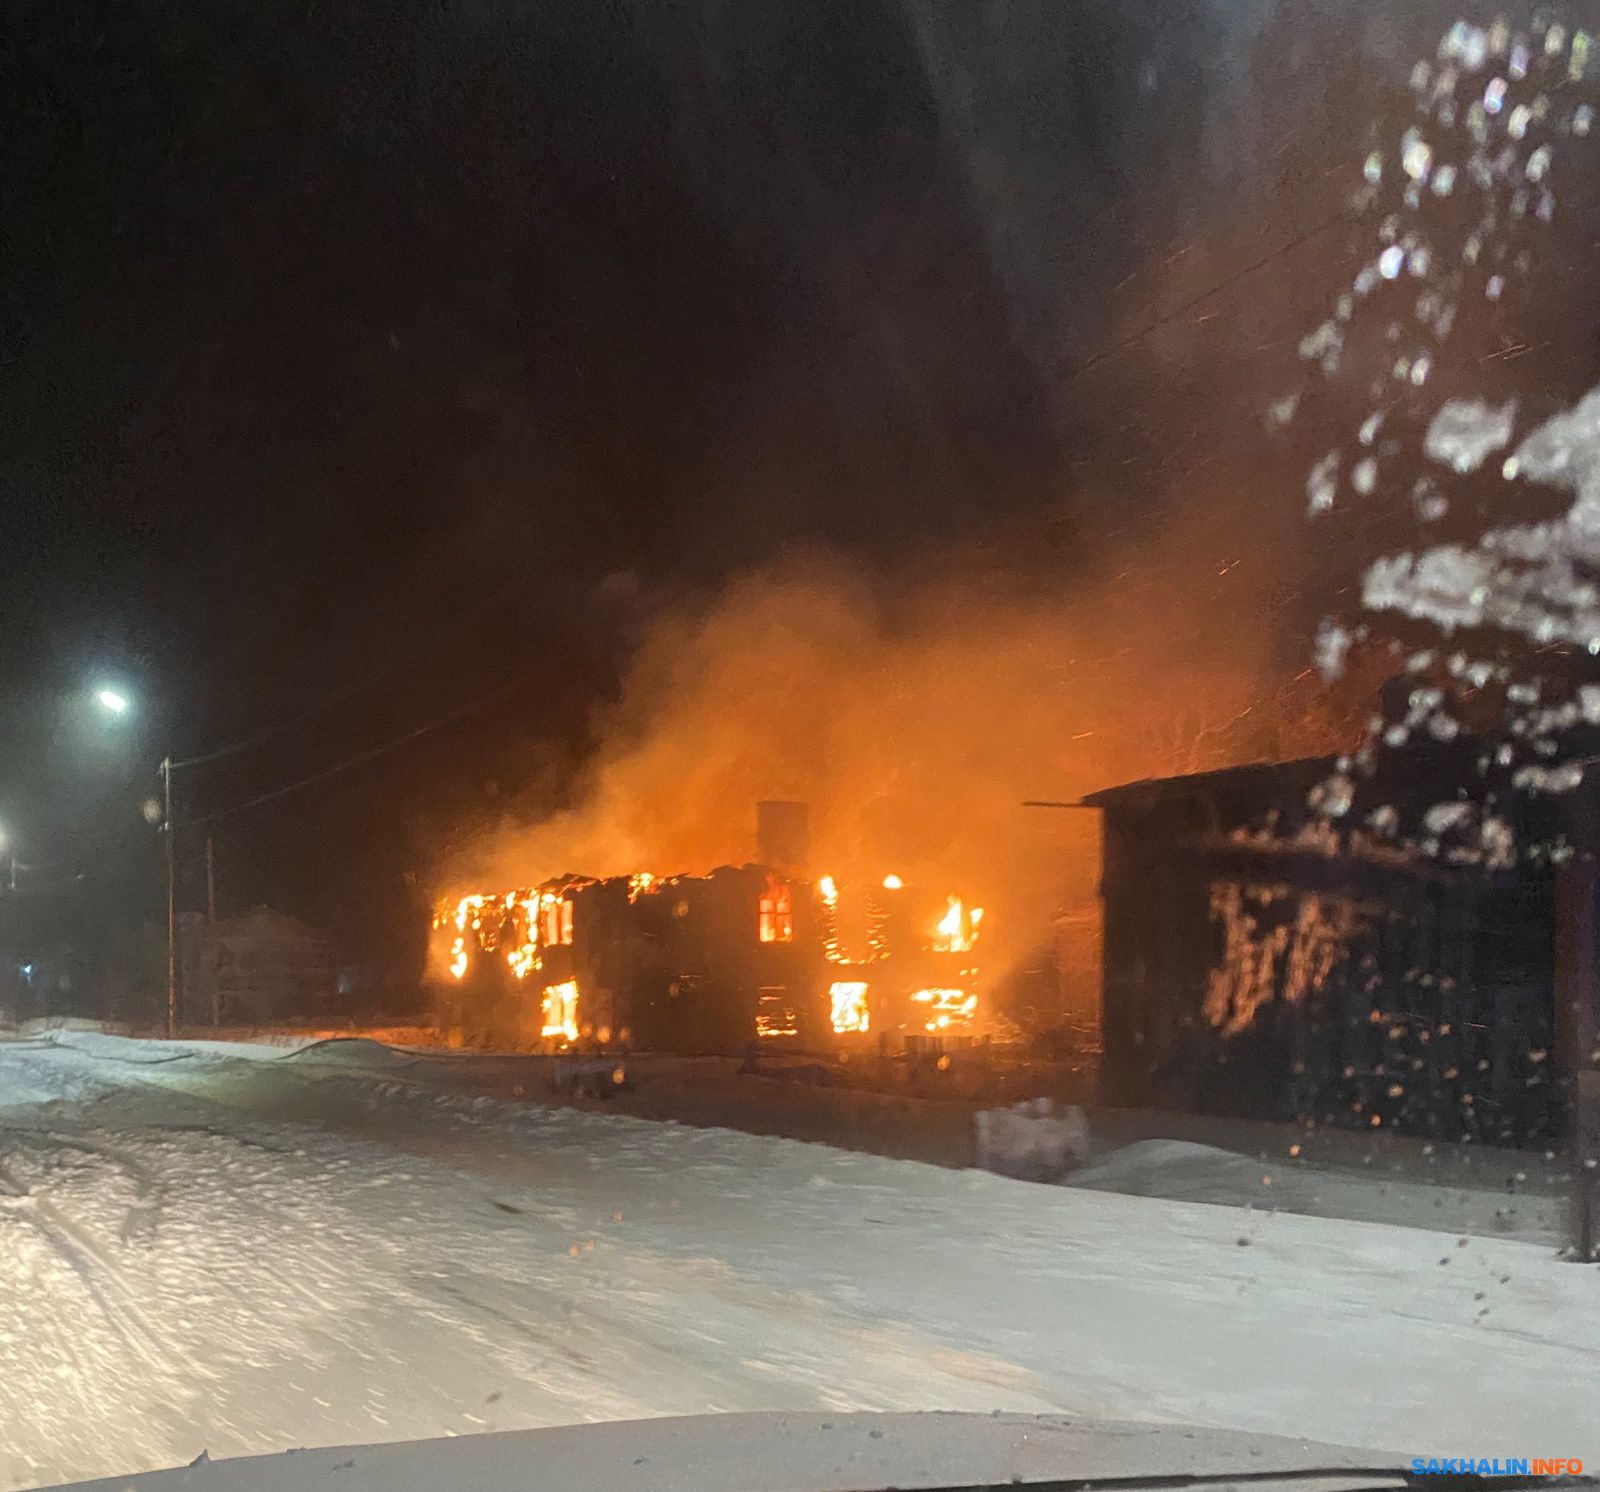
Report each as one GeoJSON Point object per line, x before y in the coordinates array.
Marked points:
{"type": "Point", "coordinates": [777, 913]}
{"type": "Point", "coordinates": [556, 915]}
{"type": "Point", "coordinates": [775, 1012]}
{"type": "Point", "coordinates": [847, 1001]}
{"type": "Point", "coordinates": [559, 1010]}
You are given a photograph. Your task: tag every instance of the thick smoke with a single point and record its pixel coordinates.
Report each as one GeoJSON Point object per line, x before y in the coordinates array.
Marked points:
{"type": "Point", "coordinates": [915, 714]}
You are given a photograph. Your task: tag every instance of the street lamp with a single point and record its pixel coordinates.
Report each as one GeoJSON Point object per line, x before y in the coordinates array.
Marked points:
{"type": "Point", "coordinates": [117, 703]}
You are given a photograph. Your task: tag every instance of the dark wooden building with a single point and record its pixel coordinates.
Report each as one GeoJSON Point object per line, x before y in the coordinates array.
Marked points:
{"type": "Point", "coordinates": [674, 964]}
{"type": "Point", "coordinates": [1260, 962]}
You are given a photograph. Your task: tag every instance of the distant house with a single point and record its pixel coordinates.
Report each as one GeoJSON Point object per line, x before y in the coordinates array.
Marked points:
{"type": "Point", "coordinates": [1258, 964]}
{"type": "Point", "coordinates": [258, 967]}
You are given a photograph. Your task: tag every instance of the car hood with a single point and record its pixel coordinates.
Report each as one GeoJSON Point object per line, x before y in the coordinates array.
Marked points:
{"type": "Point", "coordinates": [780, 1452]}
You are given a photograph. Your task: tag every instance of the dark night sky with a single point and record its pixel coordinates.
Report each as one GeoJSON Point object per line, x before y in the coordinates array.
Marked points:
{"type": "Point", "coordinates": [337, 337]}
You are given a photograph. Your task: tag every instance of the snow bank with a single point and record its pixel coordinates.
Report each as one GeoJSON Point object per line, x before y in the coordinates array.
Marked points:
{"type": "Point", "coordinates": [353, 1051]}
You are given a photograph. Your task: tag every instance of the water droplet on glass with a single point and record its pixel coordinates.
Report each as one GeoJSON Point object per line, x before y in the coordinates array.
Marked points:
{"type": "Point", "coordinates": [1518, 65]}
{"type": "Point", "coordinates": [1364, 477]}
{"type": "Point", "coordinates": [1323, 483]}
{"type": "Point", "coordinates": [1428, 502]}
{"type": "Point", "coordinates": [1416, 155]}
{"type": "Point", "coordinates": [1281, 411]}
{"type": "Point", "coordinates": [1495, 287]}
{"type": "Point", "coordinates": [1469, 45]}
{"type": "Point", "coordinates": [1582, 118]}
{"type": "Point", "coordinates": [1391, 261]}
{"type": "Point", "coordinates": [1538, 163]}
{"type": "Point", "coordinates": [1444, 179]}
{"type": "Point", "coordinates": [1517, 124]}
{"type": "Point", "coordinates": [1373, 169]}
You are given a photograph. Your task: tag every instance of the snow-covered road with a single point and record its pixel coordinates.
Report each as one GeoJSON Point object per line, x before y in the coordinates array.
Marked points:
{"type": "Point", "coordinates": [240, 1250]}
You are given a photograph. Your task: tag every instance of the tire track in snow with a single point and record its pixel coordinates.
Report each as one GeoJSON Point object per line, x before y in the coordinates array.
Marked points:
{"type": "Point", "coordinates": [99, 1273]}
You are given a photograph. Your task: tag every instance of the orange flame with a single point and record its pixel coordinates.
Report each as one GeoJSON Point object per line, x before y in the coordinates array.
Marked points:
{"type": "Point", "coordinates": [561, 1010]}
{"type": "Point", "coordinates": [848, 1001]}
{"type": "Point", "coordinates": [957, 930]}
{"type": "Point", "coordinates": [948, 1007]}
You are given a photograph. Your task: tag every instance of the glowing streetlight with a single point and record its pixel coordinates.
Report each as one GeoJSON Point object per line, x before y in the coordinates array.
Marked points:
{"type": "Point", "coordinates": [116, 703]}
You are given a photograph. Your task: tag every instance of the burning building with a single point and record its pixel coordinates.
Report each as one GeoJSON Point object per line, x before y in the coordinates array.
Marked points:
{"type": "Point", "coordinates": [710, 962]}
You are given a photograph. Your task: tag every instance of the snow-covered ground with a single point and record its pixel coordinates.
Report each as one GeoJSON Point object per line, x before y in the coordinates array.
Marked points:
{"type": "Point", "coordinates": [243, 1250]}
{"type": "Point", "coordinates": [1530, 1204]}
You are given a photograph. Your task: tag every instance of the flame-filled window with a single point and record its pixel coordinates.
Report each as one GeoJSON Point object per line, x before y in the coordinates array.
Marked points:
{"type": "Point", "coordinates": [777, 913]}
{"type": "Point", "coordinates": [775, 1013]}
{"type": "Point", "coordinates": [556, 913]}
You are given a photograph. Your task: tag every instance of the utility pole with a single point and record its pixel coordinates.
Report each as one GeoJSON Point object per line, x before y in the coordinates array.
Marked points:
{"type": "Point", "coordinates": [211, 934]}
{"type": "Point", "coordinates": [172, 919]}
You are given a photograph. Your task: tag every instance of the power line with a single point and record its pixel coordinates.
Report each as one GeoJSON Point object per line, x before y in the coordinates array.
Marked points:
{"type": "Point", "coordinates": [1338, 219]}
{"type": "Point", "coordinates": [363, 756]}
{"type": "Point", "coordinates": [278, 728]}
{"type": "Point", "coordinates": [343, 691]}
{"type": "Point", "coordinates": [403, 662]}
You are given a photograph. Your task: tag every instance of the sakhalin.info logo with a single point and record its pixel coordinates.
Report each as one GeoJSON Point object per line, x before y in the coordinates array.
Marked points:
{"type": "Point", "coordinates": [1511, 1466]}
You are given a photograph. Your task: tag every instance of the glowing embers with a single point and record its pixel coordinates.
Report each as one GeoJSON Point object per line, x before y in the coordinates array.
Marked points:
{"type": "Point", "coordinates": [947, 1009]}
{"type": "Point", "coordinates": [775, 1013]}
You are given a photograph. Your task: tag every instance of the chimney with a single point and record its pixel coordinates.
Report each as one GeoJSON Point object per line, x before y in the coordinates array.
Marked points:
{"type": "Point", "coordinates": [783, 835]}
